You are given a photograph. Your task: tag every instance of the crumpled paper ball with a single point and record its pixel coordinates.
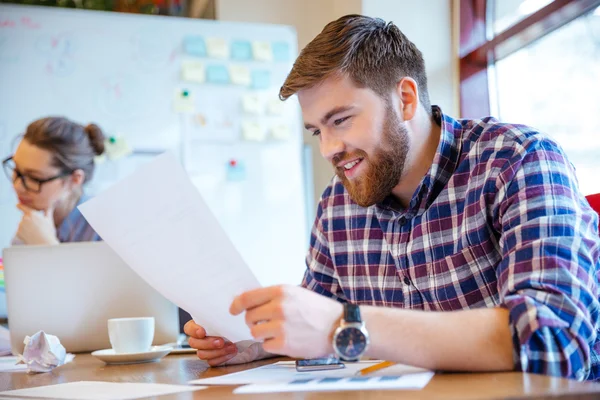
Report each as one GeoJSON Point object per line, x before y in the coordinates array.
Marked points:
{"type": "Point", "coordinates": [43, 353]}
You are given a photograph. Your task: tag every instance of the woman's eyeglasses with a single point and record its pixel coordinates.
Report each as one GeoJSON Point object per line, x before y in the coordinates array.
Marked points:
{"type": "Point", "coordinates": [30, 184]}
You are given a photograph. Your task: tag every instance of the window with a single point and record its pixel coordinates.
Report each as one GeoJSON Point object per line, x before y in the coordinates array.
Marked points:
{"type": "Point", "coordinates": [538, 63]}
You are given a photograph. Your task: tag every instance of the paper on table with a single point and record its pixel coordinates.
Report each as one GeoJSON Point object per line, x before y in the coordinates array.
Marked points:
{"type": "Point", "coordinates": [87, 390]}
{"type": "Point", "coordinates": [412, 381]}
{"type": "Point", "coordinates": [10, 364]}
{"type": "Point", "coordinates": [43, 353]}
{"type": "Point", "coordinates": [158, 223]}
{"type": "Point", "coordinates": [283, 371]}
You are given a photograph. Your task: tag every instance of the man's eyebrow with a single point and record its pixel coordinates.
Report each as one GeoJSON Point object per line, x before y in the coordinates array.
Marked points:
{"type": "Point", "coordinates": [330, 113]}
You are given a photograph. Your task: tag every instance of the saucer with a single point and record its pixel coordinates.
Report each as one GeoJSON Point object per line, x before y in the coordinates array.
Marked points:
{"type": "Point", "coordinates": [154, 354]}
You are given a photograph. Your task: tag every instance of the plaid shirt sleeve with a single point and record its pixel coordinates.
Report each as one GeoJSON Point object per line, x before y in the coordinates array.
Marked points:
{"type": "Point", "coordinates": [547, 276]}
{"type": "Point", "coordinates": [320, 275]}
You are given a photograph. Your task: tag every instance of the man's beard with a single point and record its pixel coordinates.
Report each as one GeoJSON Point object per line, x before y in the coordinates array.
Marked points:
{"type": "Point", "coordinates": [383, 170]}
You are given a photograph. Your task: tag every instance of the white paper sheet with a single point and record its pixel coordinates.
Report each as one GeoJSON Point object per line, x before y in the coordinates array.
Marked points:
{"type": "Point", "coordinates": [158, 223]}
{"type": "Point", "coordinates": [412, 381]}
{"type": "Point", "coordinates": [8, 364]}
{"type": "Point", "coordinates": [285, 371]}
{"type": "Point", "coordinates": [87, 390]}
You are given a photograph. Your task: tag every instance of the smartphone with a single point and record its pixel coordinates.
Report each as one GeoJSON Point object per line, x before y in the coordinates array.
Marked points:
{"type": "Point", "coordinates": [319, 364]}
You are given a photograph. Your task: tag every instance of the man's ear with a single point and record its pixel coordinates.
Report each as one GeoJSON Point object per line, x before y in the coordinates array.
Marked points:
{"type": "Point", "coordinates": [408, 93]}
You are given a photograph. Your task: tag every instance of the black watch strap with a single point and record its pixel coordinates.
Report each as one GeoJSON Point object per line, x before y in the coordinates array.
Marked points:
{"type": "Point", "coordinates": [351, 313]}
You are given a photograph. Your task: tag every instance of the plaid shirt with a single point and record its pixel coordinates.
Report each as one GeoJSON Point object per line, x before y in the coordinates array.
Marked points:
{"type": "Point", "coordinates": [498, 220]}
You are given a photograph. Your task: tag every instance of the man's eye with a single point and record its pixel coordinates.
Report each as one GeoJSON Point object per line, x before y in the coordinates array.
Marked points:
{"type": "Point", "coordinates": [316, 132]}
{"type": "Point", "coordinates": [340, 121]}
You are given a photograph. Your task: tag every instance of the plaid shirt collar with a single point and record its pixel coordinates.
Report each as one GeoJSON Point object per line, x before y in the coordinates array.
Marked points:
{"type": "Point", "coordinates": [443, 166]}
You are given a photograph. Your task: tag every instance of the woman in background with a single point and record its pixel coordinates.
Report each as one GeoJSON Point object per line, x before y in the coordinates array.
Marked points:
{"type": "Point", "coordinates": [52, 163]}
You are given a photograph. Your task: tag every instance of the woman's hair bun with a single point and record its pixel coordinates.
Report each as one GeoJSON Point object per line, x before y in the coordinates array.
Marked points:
{"type": "Point", "coordinates": [96, 137]}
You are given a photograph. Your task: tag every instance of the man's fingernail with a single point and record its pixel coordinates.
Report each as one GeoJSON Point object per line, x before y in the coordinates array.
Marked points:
{"type": "Point", "coordinates": [217, 343]}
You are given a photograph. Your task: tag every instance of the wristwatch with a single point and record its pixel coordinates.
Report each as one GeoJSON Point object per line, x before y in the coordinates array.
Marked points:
{"type": "Point", "coordinates": [351, 339]}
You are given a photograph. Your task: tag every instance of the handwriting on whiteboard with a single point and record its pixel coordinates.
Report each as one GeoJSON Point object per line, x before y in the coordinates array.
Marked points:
{"type": "Point", "coordinates": [23, 22]}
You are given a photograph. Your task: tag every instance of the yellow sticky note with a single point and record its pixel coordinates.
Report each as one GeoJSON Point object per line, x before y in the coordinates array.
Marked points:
{"type": "Point", "coordinates": [183, 101]}
{"type": "Point", "coordinates": [193, 71]}
{"type": "Point", "coordinates": [253, 131]}
{"type": "Point", "coordinates": [280, 132]}
{"type": "Point", "coordinates": [275, 107]}
{"type": "Point", "coordinates": [217, 48]}
{"type": "Point", "coordinates": [240, 75]}
{"type": "Point", "coordinates": [262, 51]}
{"type": "Point", "coordinates": [251, 104]}
{"type": "Point", "coordinates": [117, 147]}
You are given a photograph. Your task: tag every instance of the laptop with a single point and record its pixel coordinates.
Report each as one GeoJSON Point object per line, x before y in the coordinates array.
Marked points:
{"type": "Point", "coordinates": [71, 290]}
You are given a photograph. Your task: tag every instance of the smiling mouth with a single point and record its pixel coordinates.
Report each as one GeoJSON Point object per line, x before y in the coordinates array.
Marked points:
{"type": "Point", "coordinates": [350, 167]}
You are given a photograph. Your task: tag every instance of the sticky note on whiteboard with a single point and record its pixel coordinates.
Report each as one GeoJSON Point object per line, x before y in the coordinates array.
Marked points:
{"type": "Point", "coordinates": [251, 104]}
{"type": "Point", "coordinates": [217, 48]}
{"type": "Point", "coordinates": [183, 101]}
{"type": "Point", "coordinates": [193, 71]}
{"type": "Point", "coordinates": [280, 132]}
{"type": "Point", "coordinates": [241, 50]}
{"type": "Point", "coordinates": [261, 79]}
{"type": "Point", "coordinates": [262, 51]}
{"type": "Point", "coordinates": [281, 51]}
{"type": "Point", "coordinates": [253, 131]}
{"type": "Point", "coordinates": [217, 74]}
{"type": "Point", "coordinates": [194, 46]}
{"type": "Point", "coordinates": [240, 75]}
{"type": "Point", "coordinates": [275, 107]}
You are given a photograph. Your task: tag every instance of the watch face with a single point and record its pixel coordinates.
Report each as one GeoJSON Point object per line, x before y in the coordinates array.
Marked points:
{"type": "Point", "coordinates": [351, 342]}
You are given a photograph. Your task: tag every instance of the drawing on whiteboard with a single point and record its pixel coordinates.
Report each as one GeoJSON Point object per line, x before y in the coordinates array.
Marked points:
{"type": "Point", "coordinates": [119, 96]}
{"type": "Point", "coordinates": [58, 51]}
{"type": "Point", "coordinates": [24, 22]}
{"type": "Point", "coordinates": [200, 119]}
{"type": "Point", "coordinates": [28, 23]}
{"type": "Point", "coordinates": [213, 124]}
{"type": "Point", "coordinates": [152, 51]}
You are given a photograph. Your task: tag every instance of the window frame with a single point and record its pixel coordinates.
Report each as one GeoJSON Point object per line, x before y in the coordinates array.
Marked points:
{"type": "Point", "coordinates": [480, 48]}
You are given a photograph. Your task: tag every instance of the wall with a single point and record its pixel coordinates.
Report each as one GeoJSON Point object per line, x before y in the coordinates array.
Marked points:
{"type": "Point", "coordinates": [310, 16]}
{"type": "Point", "coordinates": [428, 24]}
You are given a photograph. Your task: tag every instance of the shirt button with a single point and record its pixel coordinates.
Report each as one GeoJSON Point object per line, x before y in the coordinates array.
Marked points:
{"type": "Point", "coordinates": [406, 280]}
{"type": "Point", "coordinates": [402, 221]}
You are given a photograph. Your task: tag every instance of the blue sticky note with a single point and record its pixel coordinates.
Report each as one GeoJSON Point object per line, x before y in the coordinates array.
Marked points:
{"type": "Point", "coordinates": [261, 79]}
{"type": "Point", "coordinates": [281, 51]}
{"type": "Point", "coordinates": [236, 171]}
{"type": "Point", "coordinates": [241, 50]}
{"type": "Point", "coordinates": [217, 74]}
{"type": "Point", "coordinates": [195, 46]}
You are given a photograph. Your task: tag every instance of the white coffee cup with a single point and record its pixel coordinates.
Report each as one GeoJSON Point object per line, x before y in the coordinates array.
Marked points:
{"type": "Point", "coordinates": [131, 335]}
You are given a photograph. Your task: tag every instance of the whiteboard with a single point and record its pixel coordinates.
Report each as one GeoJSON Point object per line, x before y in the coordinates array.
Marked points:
{"type": "Point", "coordinates": [241, 147]}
